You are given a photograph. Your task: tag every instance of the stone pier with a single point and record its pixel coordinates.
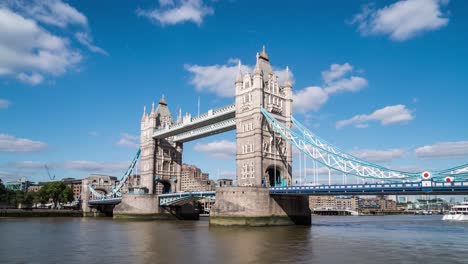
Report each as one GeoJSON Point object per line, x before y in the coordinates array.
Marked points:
{"type": "Point", "coordinates": [141, 206]}
{"type": "Point", "coordinates": [253, 206]}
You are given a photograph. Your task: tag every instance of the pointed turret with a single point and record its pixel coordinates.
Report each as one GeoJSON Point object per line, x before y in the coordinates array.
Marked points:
{"type": "Point", "coordinates": [152, 108]}
{"type": "Point", "coordinates": [162, 114]}
{"type": "Point", "coordinates": [179, 117]}
{"type": "Point", "coordinates": [263, 54]}
{"type": "Point", "coordinates": [144, 113]}
{"type": "Point", "coordinates": [239, 73]}
{"type": "Point", "coordinates": [257, 70]}
{"type": "Point", "coordinates": [287, 81]}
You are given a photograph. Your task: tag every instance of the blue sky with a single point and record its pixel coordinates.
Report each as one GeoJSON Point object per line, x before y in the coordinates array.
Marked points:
{"type": "Point", "coordinates": [384, 80]}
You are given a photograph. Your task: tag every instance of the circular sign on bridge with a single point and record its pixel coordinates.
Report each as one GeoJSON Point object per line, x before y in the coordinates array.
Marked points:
{"type": "Point", "coordinates": [448, 179]}
{"type": "Point", "coordinates": [426, 175]}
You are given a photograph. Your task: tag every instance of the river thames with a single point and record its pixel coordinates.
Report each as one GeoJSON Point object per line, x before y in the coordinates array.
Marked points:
{"type": "Point", "coordinates": [330, 239]}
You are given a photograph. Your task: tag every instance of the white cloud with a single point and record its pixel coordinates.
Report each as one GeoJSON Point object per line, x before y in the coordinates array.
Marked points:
{"type": "Point", "coordinates": [29, 50]}
{"type": "Point", "coordinates": [309, 98]}
{"type": "Point", "coordinates": [13, 144]}
{"type": "Point", "coordinates": [335, 81]}
{"type": "Point", "coordinates": [402, 20]}
{"type": "Point", "coordinates": [336, 71]}
{"type": "Point", "coordinates": [220, 79]}
{"type": "Point", "coordinates": [127, 140]}
{"type": "Point", "coordinates": [85, 39]}
{"type": "Point", "coordinates": [93, 166]}
{"type": "Point", "coordinates": [24, 165]}
{"type": "Point", "coordinates": [171, 12]}
{"type": "Point", "coordinates": [352, 84]}
{"type": "Point", "coordinates": [50, 12]}
{"type": "Point", "coordinates": [31, 167]}
{"type": "Point", "coordinates": [26, 47]}
{"type": "Point", "coordinates": [379, 155]}
{"type": "Point", "coordinates": [4, 104]}
{"type": "Point", "coordinates": [32, 79]}
{"type": "Point", "coordinates": [386, 116]}
{"type": "Point", "coordinates": [443, 150]}
{"type": "Point", "coordinates": [222, 149]}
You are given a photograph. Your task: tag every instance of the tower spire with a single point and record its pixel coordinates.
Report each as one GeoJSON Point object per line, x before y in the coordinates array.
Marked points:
{"type": "Point", "coordinates": [239, 72]}
{"type": "Point", "coordinates": [152, 108]}
{"type": "Point", "coordinates": [257, 70]}
{"type": "Point", "coordinates": [287, 81]}
{"type": "Point", "coordinates": [144, 112]}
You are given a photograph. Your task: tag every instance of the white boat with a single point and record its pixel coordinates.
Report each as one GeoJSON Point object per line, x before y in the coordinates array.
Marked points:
{"type": "Point", "coordinates": [457, 213]}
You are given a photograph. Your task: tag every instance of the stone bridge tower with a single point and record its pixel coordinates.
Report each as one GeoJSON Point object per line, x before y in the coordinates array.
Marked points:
{"type": "Point", "coordinates": [161, 159]}
{"type": "Point", "coordinates": [263, 158]}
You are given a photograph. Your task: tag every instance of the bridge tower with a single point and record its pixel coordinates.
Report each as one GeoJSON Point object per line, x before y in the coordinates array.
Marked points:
{"type": "Point", "coordinates": [161, 159]}
{"type": "Point", "coordinates": [263, 159]}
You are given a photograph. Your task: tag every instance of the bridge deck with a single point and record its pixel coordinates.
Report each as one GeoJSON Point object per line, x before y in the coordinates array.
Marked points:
{"type": "Point", "coordinates": [204, 120]}
{"type": "Point", "coordinates": [435, 188]}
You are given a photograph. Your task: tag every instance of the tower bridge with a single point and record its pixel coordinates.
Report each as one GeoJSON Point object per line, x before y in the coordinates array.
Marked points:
{"type": "Point", "coordinates": [266, 133]}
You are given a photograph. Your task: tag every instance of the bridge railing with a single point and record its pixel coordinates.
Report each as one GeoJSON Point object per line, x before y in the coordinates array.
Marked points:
{"type": "Point", "coordinates": [206, 129]}
{"type": "Point", "coordinates": [210, 114]}
{"type": "Point", "coordinates": [375, 187]}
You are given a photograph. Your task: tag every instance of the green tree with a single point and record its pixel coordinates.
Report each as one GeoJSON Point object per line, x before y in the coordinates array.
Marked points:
{"type": "Point", "coordinates": [56, 191]}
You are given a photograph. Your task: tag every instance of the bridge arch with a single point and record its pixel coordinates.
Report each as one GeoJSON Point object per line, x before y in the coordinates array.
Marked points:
{"type": "Point", "coordinates": [273, 176]}
{"type": "Point", "coordinates": [166, 186]}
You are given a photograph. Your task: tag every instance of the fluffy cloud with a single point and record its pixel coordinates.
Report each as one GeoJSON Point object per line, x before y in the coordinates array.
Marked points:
{"type": "Point", "coordinates": [443, 150]}
{"type": "Point", "coordinates": [386, 116]}
{"type": "Point", "coordinates": [12, 144]}
{"type": "Point", "coordinates": [219, 79]}
{"type": "Point", "coordinates": [379, 155]}
{"type": "Point", "coordinates": [403, 19]}
{"type": "Point", "coordinates": [171, 12]}
{"type": "Point", "coordinates": [222, 149]}
{"type": "Point", "coordinates": [4, 103]}
{"type": "Point", "coordinates": [32, 79]}
{"type": "Point", "coordinates": [309, 98]}
{"type": "Point", "coordinates": [86, 40]}
{"type": "Point", "coordinates": [50, 12]}
{"type": "Point", "coordinates": [24, 165]}
{"type": "Point", "coordinates": [93, 166]}
{"type": "Point", "coordinates": [127, 140]}
{"type": "Point", "coordinates": [335, 81]}
{"type": "Point", "coordinates": [29, 50]}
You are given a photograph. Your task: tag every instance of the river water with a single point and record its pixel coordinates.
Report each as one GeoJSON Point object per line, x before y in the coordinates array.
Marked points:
{"type": "Point", "coordinates": [331, 239]}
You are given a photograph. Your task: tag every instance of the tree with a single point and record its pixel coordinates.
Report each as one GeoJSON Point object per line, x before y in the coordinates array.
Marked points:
{"type": "Point", "coordinates": [56, 191]}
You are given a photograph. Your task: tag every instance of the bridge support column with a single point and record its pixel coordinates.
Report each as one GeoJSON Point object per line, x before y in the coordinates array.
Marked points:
{"type": "Point", "coordinates": [141, 206]}
{"type": "Point", "coordinates": [253, 206]}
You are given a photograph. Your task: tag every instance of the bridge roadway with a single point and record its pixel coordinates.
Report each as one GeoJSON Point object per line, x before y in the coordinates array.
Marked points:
{"type": "Point", "coordinates": [212, 122]}
{"type": "Point", "coordinates": [416, 188]}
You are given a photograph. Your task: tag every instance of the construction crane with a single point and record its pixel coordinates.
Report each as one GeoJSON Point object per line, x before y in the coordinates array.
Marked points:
{"type": "Point", "coordinates": [48, 173]}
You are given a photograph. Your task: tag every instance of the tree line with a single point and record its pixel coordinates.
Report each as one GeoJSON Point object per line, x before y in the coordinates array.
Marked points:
{"type": "Point", "coordinates": [55, 192]}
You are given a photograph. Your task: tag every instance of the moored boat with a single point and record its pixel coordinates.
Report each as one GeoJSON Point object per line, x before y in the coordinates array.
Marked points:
{"type": "Point", "coordinates": [458, 213]}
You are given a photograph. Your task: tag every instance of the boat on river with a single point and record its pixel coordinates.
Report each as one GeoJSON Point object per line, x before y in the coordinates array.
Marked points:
{"type": "Point", "coordinates": [457, 213]}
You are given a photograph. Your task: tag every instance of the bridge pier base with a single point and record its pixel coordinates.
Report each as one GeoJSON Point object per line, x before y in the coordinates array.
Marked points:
{"type": "Point", "coordinates": [141, 206]}
{"type": "Point", "coordinates": [254, 206]}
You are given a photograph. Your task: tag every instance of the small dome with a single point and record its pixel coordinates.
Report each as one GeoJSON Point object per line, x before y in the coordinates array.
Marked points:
{"type": "Point", "coordinates": [263, 54]}
{"type": "Point", "coordinates": [162, 101]}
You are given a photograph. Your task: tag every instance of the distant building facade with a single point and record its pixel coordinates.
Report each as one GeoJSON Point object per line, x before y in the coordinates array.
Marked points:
{"type": "Point", "coordinates": [224, 182]}
{"type": "Point", "coordinates": [75, 185]}
{"type": "Point", "coordinates": [20, 185]}
{"type": "Point", "coordinates": [193, 179]}
{"type": "Point", "coordinates": [334, 202]}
